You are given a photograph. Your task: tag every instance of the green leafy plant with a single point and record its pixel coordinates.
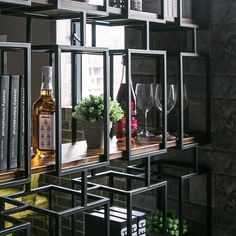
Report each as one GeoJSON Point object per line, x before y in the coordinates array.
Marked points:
{"type": "Point", "coordinates": [155, 223]}
{"type": "Point", "coordinates": [92, 109]}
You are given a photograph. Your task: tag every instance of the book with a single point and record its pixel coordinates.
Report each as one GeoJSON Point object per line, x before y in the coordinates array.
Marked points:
{"type": "Point", "coordinates": [21, 138]}
{"type": "Point", "coordinates": [118, 225]}
{"type": "Point", "coordinates": [13, 121]}
{"type": "Point", "coordinates": [141, 218]}
{"type": "Point", "coordinates": [4, 112]}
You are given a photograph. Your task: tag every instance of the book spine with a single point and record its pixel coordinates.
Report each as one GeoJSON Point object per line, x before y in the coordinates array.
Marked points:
{"type": "Point", "coordinates": [21, 159]}
{"type": "Point", "coordinates": [4, 111]}
{"type": "Point", "coordinates": [14, 120]}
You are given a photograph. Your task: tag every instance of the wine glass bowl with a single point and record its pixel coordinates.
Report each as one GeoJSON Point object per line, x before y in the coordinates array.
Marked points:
{"type": "Point", "coordinates": [145, 101]}
{"type": "Point", "coordinates": [171, 102]}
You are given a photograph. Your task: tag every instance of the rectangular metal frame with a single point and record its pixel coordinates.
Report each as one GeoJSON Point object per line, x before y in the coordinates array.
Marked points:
{"type": "Point", "coordinates": [57, 50]}
{"type": "Point", "coordinates": [127, 14]}
{"type": "Point", "coordinates": [195, 171]}
{"type": "Point", "coordinates": [60, 9]}
{"type": "Point", "coordinates": [180, 142]}
{"type": "Point", "coordinates": [97, 201]}
{"type": "Point", "coordinates": [129, 54]}
{"type": "Point", "coordinates": [12, 46]}
{"type": "Point", "coordinates": [18, 226]}
{"type": "Point", "coordinates": [150, 184]}
{"type": "Point", "coordinates": [7, 3]}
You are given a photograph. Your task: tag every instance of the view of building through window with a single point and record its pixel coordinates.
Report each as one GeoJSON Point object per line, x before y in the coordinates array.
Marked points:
{"type": "Point", "coordinates": [92, 65]}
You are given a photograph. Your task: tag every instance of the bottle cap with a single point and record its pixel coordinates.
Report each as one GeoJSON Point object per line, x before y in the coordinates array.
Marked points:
{"type": "Point", "coordinates": [47, 70]}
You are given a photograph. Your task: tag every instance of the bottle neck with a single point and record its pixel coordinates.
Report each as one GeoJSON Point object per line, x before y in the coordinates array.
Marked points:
{"type": "Point", "coordinates": [46, 86]}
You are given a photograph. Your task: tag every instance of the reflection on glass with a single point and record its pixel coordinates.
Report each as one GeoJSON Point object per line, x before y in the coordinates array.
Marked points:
{"type": "Point", "coordinates": [145, 101]}
{"type": "Point", "coordinates": [171, 101]}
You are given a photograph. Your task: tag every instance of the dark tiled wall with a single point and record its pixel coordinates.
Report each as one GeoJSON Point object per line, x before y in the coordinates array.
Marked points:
{"type": "Point", "coordinates": [220, 42]}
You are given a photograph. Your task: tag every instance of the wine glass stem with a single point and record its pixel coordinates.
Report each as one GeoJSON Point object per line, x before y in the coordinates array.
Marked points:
{"type": "Point", "coordinates": [145, 121]}
{"type": "Point", "coordinates": [160, 121]}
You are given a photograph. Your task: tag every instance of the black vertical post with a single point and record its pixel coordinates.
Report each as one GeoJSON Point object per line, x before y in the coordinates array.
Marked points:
{"type": "Point", "coordinates": [164, 208]}
{"type": "Point", "coordinates": [209, 203]}
{"type": "Point", "coordinates": [74, 84]}
{"type": "Point", "coordinates": [3, 62]}
{"type": "Point", "coordinates": [208, 97]}
{"type": "Point", "coordinates": [181, 206]}
{"type": "Point", "coordinates": [83, 29]}
{"type": "Point", "coordinates": [147, 171]}
{"type": "Point", "coordinates": [58, 158]}
{"type": "Point", "coordinates": [129, 215]}
{"type": "Point", "coordinates": [84, 188]}
{"type": "Point", "coordinates": [27, 120]}
{"type": "Point", "coordinates": [28, 29]}
{"type": "Point", "coordinates": [164, 104]}
{"type": "Point", "coordinates": [128, 103]}
{"type": "Point", "coordinates": [107, 218]}
{"type": "Point", "coordinates": [27, 89]}
{"type": "Point", "coordinates": [58, 226]}
{"type": "Point", "coordinates": [106, 84]}
{"type": "Point", "coordinates": [50, 207]}
{"type": "Point", "coordinates": [195, 156]}
{"type": "Point", "coordinates": [94, 34]}
{"type": "Point", "coordinates": [111, 184]}
{"type": "Point", "coordinates": [180, 108]}
{"type": "Point", "coordinates": [73, 217]}
{"type": "Point", "coordinates": [195, 40]}
{"type": "Point", "coordinates": [146, 36]}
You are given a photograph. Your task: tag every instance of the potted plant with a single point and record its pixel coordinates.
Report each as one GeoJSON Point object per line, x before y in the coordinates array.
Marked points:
{"type": "Point", "coordinates": [91, 111]}
{"type": "Point", "coordinates": [155, 223]}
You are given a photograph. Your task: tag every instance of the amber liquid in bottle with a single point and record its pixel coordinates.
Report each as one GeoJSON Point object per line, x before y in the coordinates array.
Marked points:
{"type": "Point", "coordinates": [43, 139]}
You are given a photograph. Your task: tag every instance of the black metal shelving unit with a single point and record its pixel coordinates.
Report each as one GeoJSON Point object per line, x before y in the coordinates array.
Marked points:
{"type": "Point", "coordinates": [111, 16]}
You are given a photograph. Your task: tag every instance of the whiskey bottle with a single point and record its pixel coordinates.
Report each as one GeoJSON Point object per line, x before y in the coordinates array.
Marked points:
{"type": "Point", "coordinates": [43, 139]}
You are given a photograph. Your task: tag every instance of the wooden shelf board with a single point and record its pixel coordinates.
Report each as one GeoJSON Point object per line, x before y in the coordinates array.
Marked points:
{"type": "Point", "coordinates": [78, 155]}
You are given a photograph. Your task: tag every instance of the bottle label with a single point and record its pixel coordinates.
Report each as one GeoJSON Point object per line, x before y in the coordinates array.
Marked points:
{"type": "Point", "coordinates": [46, 132]}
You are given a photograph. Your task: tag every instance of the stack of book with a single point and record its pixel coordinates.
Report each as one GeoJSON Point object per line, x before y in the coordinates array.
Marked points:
{"type": "Point", "coordinates": [11, 121]}
{"type": "Point", "coordinates": [118, 222]}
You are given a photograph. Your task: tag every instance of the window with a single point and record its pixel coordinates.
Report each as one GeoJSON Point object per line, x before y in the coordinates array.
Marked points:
{"type": "Point", "coordinates": [92, 65]}
{"type": "Point", "coordinates": [109, 37]}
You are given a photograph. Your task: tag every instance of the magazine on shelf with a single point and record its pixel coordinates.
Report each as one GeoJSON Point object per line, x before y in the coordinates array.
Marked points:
{"type": "Point", "coordinates": [13, 120]}
{"type": "Point", "coordinates": [4, 115]}
{"type": "Point", "coordinates": [21, 141]}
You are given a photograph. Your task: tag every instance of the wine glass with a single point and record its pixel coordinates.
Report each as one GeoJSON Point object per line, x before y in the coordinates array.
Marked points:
{"type": "Point", "coordinates": [145, 101]}
{"type": "Point", "coordinates": [171, 101]}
